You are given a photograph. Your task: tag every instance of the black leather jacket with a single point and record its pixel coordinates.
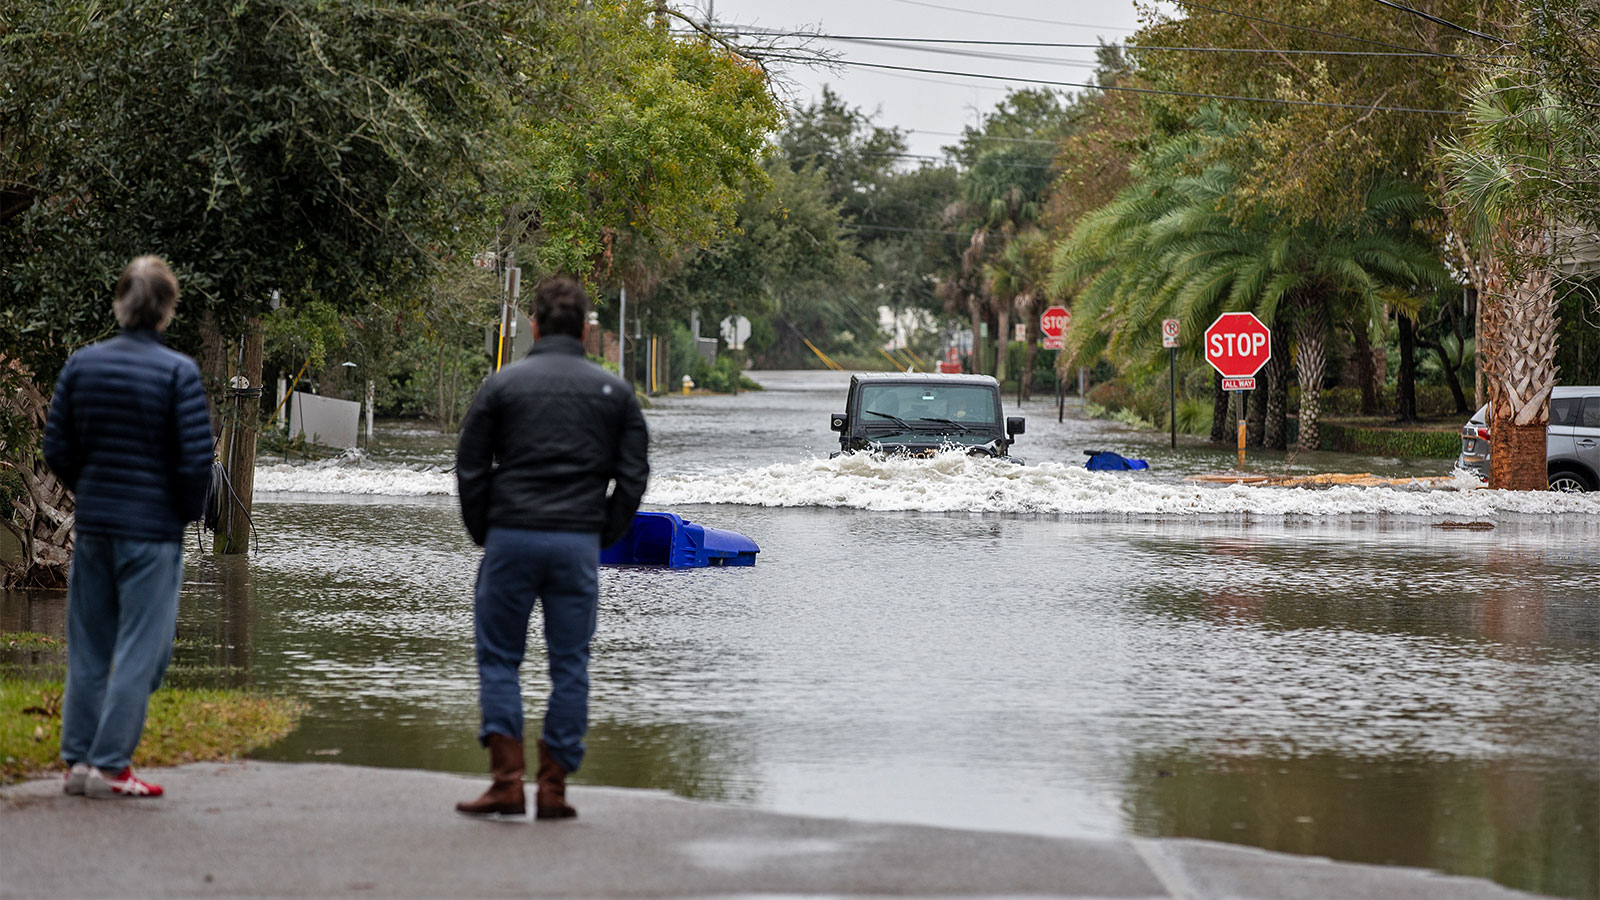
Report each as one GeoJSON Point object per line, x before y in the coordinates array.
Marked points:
{"type": "Point", "coordinates": [543, 440]}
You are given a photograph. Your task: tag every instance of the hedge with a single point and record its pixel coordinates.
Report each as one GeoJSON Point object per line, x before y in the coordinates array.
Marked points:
{"type": "Point", "coordinates": [1389, 441]}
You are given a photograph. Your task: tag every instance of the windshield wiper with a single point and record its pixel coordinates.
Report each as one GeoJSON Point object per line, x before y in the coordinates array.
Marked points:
{"type": "Point", "coordinates": [895, 419]}
{"type": "Point", "coordinates": [964, 429]}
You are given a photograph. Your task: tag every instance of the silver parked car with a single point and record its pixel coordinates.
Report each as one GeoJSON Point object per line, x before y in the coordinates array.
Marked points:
{"type": "Point", "coordinates": [1572, 440]}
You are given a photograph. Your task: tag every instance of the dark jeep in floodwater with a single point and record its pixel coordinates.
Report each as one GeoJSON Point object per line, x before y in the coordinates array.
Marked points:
{"type": "Point", "coordinates": [919, 415]}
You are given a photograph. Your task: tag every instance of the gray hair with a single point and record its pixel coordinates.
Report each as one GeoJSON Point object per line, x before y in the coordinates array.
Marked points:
{"type": "Point", "coordinates": [147, 294]}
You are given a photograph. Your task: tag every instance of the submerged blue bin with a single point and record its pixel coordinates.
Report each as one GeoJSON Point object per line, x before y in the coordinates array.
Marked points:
{"type": "Point", "coordinates": [668, 539]}
{"type": "Point", "coordinates": [1107, 461]}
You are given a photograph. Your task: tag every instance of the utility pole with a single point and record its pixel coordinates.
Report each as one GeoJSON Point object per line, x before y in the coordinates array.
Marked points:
{"type": "Point", "coordinates": [239, 443]}
{"type": "Point", "coordinates": [622, 334]}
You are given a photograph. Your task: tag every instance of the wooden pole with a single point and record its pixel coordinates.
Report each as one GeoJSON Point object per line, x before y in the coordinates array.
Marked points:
{"type": "Point", "coordinates": [1241, 418]}
{"type": "Point", "coordinates": [239, 444]}
{"type": "Point", "coordinates": [1172, 392]}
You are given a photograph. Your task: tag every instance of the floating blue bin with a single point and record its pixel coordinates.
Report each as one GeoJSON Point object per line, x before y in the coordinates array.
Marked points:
{"type": "Point", "coordinates": [668, 539]}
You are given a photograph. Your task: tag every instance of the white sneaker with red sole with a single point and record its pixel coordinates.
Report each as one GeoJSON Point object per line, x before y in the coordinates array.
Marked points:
{"type": "Point", "coordinates": [76, 778]}
{"type": "Point", "coordinates": [123, 784]}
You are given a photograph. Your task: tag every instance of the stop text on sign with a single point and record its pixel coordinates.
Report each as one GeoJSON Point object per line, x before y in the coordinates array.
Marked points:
{"type": "Point", "coordinates": [1237, 345]}
{"type": "Point", "coordinates": [1054, 320]}
{"type": "Point", "coordinates": [1053, 323]}
{"type": "Point", "coordinates": [1247, 344]}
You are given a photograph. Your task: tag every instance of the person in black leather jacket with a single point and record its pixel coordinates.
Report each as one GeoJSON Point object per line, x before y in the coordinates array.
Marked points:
{"type": "Point", "coordinates": [541, 444]}
{"type": "Point", "coordinates": [130, 435]}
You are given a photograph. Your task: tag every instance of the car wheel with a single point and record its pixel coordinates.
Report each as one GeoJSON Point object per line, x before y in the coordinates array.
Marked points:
{"type": "Point", "coordinates": [1569, 482]}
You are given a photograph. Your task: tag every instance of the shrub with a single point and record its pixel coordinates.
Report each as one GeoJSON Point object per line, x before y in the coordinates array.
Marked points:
{"type": "Point", "coordinates": [721, 377]}
{"type": "Point", "coordinates": [1409, 443]}
{"type": "Point", "coordinates": [1113, 395]}
{"type": "Point", "coordinates": [1194, 416]}
{"type": "Point", "coordinates": [1132, 419]}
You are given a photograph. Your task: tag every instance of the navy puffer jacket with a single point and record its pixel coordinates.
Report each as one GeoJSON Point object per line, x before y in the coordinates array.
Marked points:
{"type": "Point", "coordinates": [130, 434]}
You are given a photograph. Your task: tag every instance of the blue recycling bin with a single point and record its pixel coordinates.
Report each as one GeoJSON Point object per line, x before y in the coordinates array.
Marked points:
{"type": "Point", "coordinates": [670, 540]}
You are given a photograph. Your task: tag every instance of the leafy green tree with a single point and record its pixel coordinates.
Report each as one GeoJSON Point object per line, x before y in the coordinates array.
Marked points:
{"type": "Point", "coordinates": [787, 258]}
{"type": "Point", "coordinates": [327, 150]}
{"type": "Point", "coordinates": [1314, 154]}
{"type": "Point", "coordinates": [286, 151]}
{"type": "Point", "coordinates": [1509, 186]}
{"type": "Point", "coordinates": [1176, 245]}
{"type": "Point", "coordinates": [1007, 169]}
{"type": "Point", "coordinates": [643, 152]}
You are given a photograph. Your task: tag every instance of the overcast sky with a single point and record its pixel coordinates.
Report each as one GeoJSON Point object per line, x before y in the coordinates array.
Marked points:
{"type": "Point", "coordinates": [933, 107]}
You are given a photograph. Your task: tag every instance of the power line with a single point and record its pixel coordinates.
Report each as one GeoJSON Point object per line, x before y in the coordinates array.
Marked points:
{"type": "Point", "coordinates": [1445, 22]}
{"type": "Point", "coordinates": [1333, 34]}
{"type": "Point", "coordinates": [994, 15]}
{"type": "Point", "coordinates": [985, 54]}
{"type": "Point", "coordinates": [965, 234]}
{"type": "Point", "coordinates": [1130, 48]}
{"type": "Point", "coordinates": [1132, 90]}
{"type": "Point", "coordinates": [948, 161]}
{"type": "Point", "coordinates": [981, 137]}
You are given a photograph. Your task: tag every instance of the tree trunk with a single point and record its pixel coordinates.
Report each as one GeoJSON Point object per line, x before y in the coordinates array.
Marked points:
{"type": "Point", "coordinates": [213, 361]}
{"type": "Point", "coordinates": [1451, 367]}
{"type": "Point", "coordinates": [975, 310]}
{"type": "Point", "coordinates": [1366, 371]}
{"type": "Point", "coordinates": [1311, 362]}
{"type": "Point", "coordinates": [1255, 428]}
{"type": "Point", "coordinates": [1030, 316]}
{"type": "Point", "coordinates": [1405, 391]}
{"type": "Point", "coordinates": [1002, 341]}
{"type": "Point", "coordinates": [243, 411]}
{"type": "Point", "coordinates": [439, 390]}
{"type": "Point", "coordinates": [1518, 352]}
{"type": "Point", "coordinates": [1219, 409]}
{"type": "Point", "coordinates": [455, 387]}
{"type": "Point", "coordinates": [1275, 432]}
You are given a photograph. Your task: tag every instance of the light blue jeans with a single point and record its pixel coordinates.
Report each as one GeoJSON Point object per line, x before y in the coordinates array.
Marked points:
{"type": "Point", "coordinates": [122, 614]}
{"type": "Point", "coordinates": [560, 570]}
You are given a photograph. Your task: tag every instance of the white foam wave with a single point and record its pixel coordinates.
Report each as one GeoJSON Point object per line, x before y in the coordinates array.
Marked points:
{"type": "Point", "coordinates": [954, 482]}
{"type": "Point", "coordinates": [351, 475]}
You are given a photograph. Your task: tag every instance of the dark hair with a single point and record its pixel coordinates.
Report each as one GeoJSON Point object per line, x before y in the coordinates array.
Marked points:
{"type": "Point", "coordinates": [560, 307]}
{"type": "Point", "coordinates": [147, 294]}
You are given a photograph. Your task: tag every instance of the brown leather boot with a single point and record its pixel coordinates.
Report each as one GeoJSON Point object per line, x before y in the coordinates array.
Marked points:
{"type": "Point", "coordinates": [551, 801]}
{"type": "Point", "coordinates": [504, 797]}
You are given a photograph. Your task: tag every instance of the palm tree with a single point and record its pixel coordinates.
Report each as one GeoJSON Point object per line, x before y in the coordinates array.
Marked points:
{"type": "Point", "coordinates": [1508, 183]}
{"type": "Point", "coordinates": [1013, 279]}
{"type": "Point", "coordinates": [1175, 244]}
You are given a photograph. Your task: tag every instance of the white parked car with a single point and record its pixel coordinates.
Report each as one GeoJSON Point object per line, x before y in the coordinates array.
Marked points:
{"type": "Point", "coordinates": [1572, 440]}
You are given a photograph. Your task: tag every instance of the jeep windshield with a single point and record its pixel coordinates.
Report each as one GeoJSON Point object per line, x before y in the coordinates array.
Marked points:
{"type": "Point", "coordinates": [963, 413]}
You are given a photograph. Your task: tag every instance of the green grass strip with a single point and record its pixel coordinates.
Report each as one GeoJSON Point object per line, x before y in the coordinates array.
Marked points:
{"type": "Point", "coordinates": [183, 726]}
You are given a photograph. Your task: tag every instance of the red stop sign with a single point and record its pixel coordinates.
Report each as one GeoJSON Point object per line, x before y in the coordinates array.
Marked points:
{"type": "Point", "coordinates": [1052, 324]}
{"type": "Point", "coordinates": [1238, 345]}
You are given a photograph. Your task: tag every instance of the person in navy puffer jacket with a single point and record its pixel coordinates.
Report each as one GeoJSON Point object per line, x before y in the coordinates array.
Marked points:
{"type": "Point", "coordinates": [129, 433]}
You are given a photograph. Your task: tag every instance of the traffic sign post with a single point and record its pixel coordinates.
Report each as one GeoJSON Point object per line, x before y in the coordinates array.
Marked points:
{"type": "Point", "coordinates": [1237, 346]}
{"type": "Point", "coordinates": [1053, 324]}
{"type": "Point", "coordinates": [1169, 340]}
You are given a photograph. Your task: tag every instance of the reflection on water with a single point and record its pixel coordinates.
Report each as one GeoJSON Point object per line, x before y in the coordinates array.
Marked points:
{"type": "Point", "coordinates": [1365, 688]}
{"type": "Point", "coordinates": [1489, 818]}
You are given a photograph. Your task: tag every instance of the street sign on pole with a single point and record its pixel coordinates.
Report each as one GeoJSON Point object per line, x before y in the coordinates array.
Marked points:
{"type": "Point", "coordinates": [1053, 324]}
{"type": "Point", "coordinates": [1169, 340]}
{"type": "Point", "coordinates": [1237, 346]}
{"type": "Point", "coordinates": [735, 331]}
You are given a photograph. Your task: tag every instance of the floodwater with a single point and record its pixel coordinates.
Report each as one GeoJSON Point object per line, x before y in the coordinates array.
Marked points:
{"type": "Point", "coordinates": [976, 644]}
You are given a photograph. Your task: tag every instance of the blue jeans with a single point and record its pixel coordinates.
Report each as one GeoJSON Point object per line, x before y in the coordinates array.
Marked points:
{"type": "Point", "coordinates": [122, 614]}
{"type": "Point", "coordinates": [560, 568]}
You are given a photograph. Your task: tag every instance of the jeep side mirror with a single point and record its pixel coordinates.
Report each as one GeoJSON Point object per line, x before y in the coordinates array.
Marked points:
{"type": "Point", "coordinates": [1016, 425]}
{"type": "Point", "coordinates": [836, 421]}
